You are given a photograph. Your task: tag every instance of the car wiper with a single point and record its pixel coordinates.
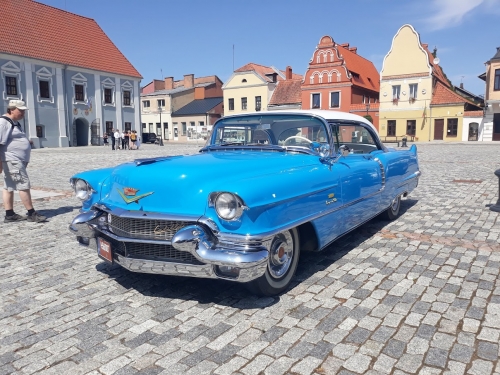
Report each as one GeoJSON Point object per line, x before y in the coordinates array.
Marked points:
{"type": "Point", "coordinates": [231, 144]}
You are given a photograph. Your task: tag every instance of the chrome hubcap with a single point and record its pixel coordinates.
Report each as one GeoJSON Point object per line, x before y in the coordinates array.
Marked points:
{"type": "Point", "coordinates": [395, 204]}
{"type": "Point", "coordinates": [281, 255]}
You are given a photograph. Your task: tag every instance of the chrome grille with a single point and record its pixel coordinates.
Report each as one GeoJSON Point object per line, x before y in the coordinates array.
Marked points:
{"type": "Point", "coordinates": [146, 228]}
{"type": "Point", "coordinates": [151, 251]}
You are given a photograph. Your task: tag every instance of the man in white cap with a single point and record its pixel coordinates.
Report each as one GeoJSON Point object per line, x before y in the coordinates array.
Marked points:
{"type": "Point", "coordinates": [15, 150]}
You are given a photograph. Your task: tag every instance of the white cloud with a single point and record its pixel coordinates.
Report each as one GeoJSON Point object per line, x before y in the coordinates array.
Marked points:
{"type": "Point", "coordinates": [450, 13]}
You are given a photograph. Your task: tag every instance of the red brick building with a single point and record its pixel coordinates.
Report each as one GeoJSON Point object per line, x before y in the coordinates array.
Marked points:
{"type": "Point", "coordinates": [339, 79]}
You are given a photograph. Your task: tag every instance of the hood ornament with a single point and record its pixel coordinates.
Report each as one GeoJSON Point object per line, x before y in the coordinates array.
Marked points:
{"type": "Point", "coordinates": [129, 195]}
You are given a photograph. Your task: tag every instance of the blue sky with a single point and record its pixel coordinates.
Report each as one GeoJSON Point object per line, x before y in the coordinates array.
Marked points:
{"type": "Point", "coordinates": [177, 37]}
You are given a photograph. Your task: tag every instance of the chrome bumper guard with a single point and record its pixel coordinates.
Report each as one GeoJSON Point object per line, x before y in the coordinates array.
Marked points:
{"type": "Point", "coordinates": [248, 258]}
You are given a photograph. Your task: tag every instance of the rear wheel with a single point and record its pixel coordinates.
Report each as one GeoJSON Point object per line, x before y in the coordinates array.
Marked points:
{"type": "Point", "coordinates": [281, 266]}
{"type": "Point", "coordinates": [392, 212]}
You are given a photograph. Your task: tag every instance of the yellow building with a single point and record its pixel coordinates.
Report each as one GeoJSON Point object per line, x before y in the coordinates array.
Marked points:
{"type": "Point", "coordinates": [251, 87]}
{"type": "Point", "coordinates": [416, 98]}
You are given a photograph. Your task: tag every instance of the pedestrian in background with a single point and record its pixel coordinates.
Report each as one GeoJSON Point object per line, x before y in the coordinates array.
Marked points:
{"type": "Point", "coordinates": [15, 152]}
{"type": "Point", "coordinates": [122, 136]}
{"type": "Point", "coordinates": [105, 139]}
{"type": "Point", "coordinates": [112, 139]}
{"type": "Point", "coordinates": [133, 140]}
{"type": "Point", "coordinates": [127, 139]}
{"type": "Point", "coordinates": [117, 138]}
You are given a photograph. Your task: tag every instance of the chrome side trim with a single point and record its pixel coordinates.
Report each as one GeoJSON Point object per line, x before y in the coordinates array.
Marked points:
{"type": "Point", "coordinates": [145, 214]}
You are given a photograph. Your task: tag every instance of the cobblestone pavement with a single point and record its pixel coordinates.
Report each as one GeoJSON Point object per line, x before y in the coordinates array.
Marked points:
{"type": "Point", "coordinates": [418, 295]}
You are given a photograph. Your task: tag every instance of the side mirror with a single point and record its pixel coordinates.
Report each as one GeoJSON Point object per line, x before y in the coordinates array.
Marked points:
{"type": "Point", "coordinates": [322, 149]}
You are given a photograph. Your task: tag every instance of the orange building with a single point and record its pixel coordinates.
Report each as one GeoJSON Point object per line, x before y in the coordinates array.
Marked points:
{"type": "Point", "coordinates": [339, 79]}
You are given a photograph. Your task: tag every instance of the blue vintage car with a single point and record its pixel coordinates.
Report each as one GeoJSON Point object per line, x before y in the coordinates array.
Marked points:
{"type": "Point", "coordinates": [266, 187]}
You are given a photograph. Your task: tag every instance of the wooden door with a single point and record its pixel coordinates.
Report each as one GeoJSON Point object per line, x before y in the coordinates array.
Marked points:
{"type": "Point", "coordinates": [438, 129]}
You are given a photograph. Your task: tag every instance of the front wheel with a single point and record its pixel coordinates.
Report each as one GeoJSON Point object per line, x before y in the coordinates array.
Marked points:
{"type": "Point", "coordinates": [283, 259]}
{"type": "Point", "coordinates": [392, 212]}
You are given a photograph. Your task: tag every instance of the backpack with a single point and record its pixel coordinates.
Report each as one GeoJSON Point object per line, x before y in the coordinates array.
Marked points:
{"type": "Point", "coordinates": [133, 137]}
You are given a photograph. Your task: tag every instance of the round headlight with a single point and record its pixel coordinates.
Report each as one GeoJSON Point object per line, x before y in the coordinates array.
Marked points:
{"type": "Point", "coordinates": [228, 207]}
{"type": "Point", "coordinates": [82, 189]}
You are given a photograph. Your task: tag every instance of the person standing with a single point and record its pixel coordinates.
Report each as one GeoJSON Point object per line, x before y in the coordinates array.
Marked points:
{"type": "Point", "coordinates": [133, 140]}
{"type": "Point", "coordinates": [117, 138]}
{"type": "Point", "coordinates": [122, 136]}
{"type": "Point", "coordinates": [15, 152]}
{"type": "Point", "coordinates": [112, 139]}
{"type": "Point", "coordinates": [127, 138]}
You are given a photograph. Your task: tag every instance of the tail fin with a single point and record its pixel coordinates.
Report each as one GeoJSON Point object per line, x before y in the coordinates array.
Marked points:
{"type": "Point", "coordinates": [413, 149]}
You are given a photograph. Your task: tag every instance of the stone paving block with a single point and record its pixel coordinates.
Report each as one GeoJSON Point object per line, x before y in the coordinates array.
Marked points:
{"type": "Point", "coordinates": [422, 288]}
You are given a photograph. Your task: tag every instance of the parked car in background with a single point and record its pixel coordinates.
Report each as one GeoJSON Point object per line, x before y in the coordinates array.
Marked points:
{"type": "Point", "coordinates": [149, 137]}
{"type": "Point", "coordinates": [266, 187]}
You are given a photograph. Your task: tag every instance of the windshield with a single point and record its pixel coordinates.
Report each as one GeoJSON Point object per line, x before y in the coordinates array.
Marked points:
{"type": "Point", "coordinates": [270, 130]}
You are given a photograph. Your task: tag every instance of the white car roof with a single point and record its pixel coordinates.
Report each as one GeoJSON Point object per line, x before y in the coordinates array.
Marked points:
{"type": "Point", "coordinates": [327, 115]}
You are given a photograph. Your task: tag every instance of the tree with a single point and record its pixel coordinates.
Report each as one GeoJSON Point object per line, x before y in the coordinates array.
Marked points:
{"type": "Point", "coordinates": [369, 118]}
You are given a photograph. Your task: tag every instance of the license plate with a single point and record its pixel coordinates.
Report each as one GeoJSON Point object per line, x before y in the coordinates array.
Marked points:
{"type": "Point", "coordinates": [105, 251]}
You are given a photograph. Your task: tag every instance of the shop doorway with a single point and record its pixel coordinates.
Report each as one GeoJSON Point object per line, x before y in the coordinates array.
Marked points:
{"type": "Point", "coordinates": [438, 129]}
{"type": "Point", "coordinates": [82, 132]}
{"type": "Point", "coordinates": [473, 131]}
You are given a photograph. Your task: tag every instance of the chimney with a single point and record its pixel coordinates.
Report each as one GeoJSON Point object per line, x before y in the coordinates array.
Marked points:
{"type": "Point", "coordinates": [425, 45]}
{"type": "Point", "coordinates": [169, 83]}
{"type": "Point", "coordinates": [461, 85]}
{"type": "Point", "coordinates": [354, 49]}
{"type": "Point", "coordinates": [288, 72]}
{"type": "Point", "coordinates": [345, 45]}
{"type": "Point", "coordinates": [188, 81]}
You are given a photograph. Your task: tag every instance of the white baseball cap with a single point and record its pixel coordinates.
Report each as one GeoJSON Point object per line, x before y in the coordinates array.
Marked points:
{"type": "Point", "coordinates": [19, 104]}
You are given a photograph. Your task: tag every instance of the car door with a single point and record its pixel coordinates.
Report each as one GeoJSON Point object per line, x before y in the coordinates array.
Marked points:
{"type": "Point", "coordinates": [361, 173]}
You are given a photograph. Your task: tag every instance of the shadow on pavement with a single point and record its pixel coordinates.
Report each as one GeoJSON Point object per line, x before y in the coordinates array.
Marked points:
{"type": "Point", "coordinates": [226, 293]}
{"type": "Point", "coordinates": [57, 211]}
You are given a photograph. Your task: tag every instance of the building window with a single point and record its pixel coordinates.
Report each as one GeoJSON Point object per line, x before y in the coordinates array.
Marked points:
{"type": "Point", "coordinates": [161, 103]}
{"type": "Point", "coordinates": [79, 94]}
{"type": "Point", "coordinates": [126, 97]}
{"type": "Point", "coordinates": [497, 80]}
{"type": "Point", "coordinates": [184, 128]}
{"type": "Point", "coordinates": [335, 99]}
{"type": "Point", "coordinates": [109, 127]}
{"type": "Point", "coordinates": [413, 91]}
{"type": "Point", "coordinates": [145, 104]}
{"type": "Point", "coordinates": [11, 86]}
{"type": "Point", "coordinates": [396, 92]}
{"type": "Point", "coordinates": [44, 89]}
{"type": "Point", "coordinates": [201, 123]}
{"type": "Point", "coordinates": [144, 125]}
{"type": "Point", "coordinates": [39, 131]}
{"type": "Point", "coordinates": [108, 96]}
{"type": "Point", "coordinates": [258, 103]}
{"type": "Point", "coordinates": [316, 101]}
{"type": "Point", "coordinates": [158, 128]}
{"type": "Point", "coordinates": [151, 130]}
{"type": "Point", "coordinates": [128, 126]}
{"type": "Point", "coordinates": [452, 127]}
{"type": "Point", "coordinates": [231, 104]}
{"type": "Point", "coordinates": [411, 126]}
{"type": "Point", "coordinates": [243, 104]}
{"type": "Point", "coordinates": [391, 127]}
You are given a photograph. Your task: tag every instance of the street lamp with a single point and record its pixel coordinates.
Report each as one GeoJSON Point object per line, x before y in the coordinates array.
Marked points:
{"type": "Point", "coordinates": [160, 143]}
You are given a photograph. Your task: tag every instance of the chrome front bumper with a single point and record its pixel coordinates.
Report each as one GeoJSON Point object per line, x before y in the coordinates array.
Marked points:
{"type": "Point", "coordinates": [247, 258]}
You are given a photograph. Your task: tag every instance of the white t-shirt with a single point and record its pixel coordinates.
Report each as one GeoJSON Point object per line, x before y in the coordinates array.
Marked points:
{"type": "Point", "coordinates": [117, 135]}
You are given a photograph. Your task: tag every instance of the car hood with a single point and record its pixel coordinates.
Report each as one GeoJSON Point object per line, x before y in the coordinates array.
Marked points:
{"type": "Point", "coordinates": [181, 184]}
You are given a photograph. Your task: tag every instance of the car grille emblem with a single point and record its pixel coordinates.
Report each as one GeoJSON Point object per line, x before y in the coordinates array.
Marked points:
{"type": "Point", "coordinates": [129, 195]}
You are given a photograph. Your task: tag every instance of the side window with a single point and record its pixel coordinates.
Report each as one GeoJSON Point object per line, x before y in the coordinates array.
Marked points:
{"type": "Point", "coordinates": [357, 137]}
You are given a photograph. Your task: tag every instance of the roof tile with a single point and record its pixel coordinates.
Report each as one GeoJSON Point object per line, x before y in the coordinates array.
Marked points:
{"type": "Point", "coordinates": [52, 34]}
{"type": "Point", "coordinates": [444, 95]}
{"type": "Point", "coordinates": [287, 92]}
